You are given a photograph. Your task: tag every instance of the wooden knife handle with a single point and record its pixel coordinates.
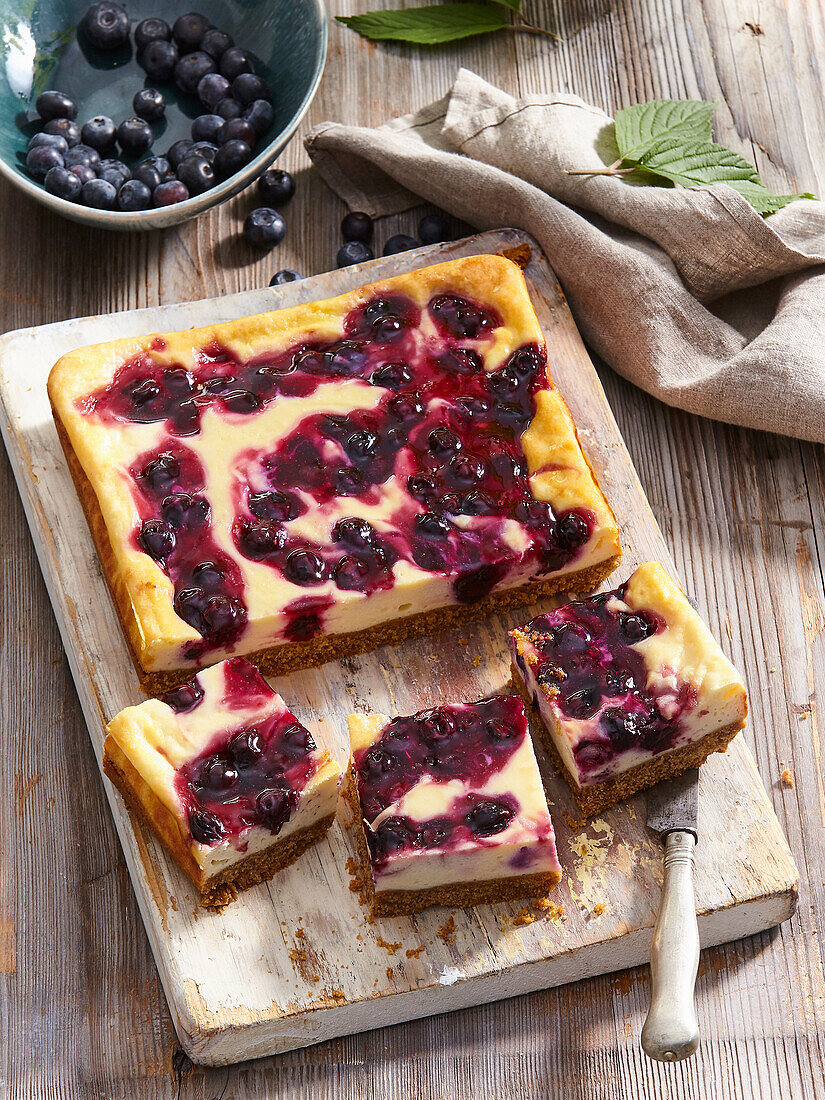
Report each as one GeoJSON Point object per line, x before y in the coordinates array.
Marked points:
{"type": "Point", "coordinates": [671, 1031]}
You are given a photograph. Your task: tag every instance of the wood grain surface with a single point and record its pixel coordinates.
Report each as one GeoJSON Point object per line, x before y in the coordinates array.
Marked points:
{"type": "Point", "coordinates": [81, 1010]}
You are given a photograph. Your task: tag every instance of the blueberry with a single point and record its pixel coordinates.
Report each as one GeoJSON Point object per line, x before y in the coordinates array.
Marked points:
{"type": "Point", "coordinates": [304, 568]}
{"type": "Point", "coordinates": [99, 133]}
{"type": "Point", "coordinates": [488, 817]}
{"type": "Point", "coordinates": [153, 171]}
{"type": "Point", "coordinates": [149, 104]}
{"type": "Point", "coordinates": [178, 151]}
{"type": "Point", "coordinates": [421, 487]}
{"type": "Point", "coordinates": [183, 698]}
{"type": "Point", "coordinates": [149, 30]}
{"type": "Point", "coordinates": [82, 154]}
{"type": "Point", "coordinates": [208, 128]}
{"type": "Point", "coordinates": [399, 243]}
{"type": "Point", "coordinates": [432, 526]}
{"type": "Point", "coordinates": [356, 532]}
{"type": "Point", "coordinates": [273, 504]}
{"type": "Point", "coordinates": [234, 62]}
{"type": "Point", "coordinates": [237, 129]}
{"type": "Point", "coordinates": [61, 182]}
{"type": "Point", "coordinates": [159, 59]}
{"type": "Point", "coordinates": [188, 30]}
{"type": "Point", "coordinates": [232, 156]}
{"type": "Point", "coordinates": [353, 252]}
{"type": "Point", "coordinates": [134, 136]}
{"type": "Point", "coordinates": [106, 25]}
{"type": "Point", "coordinates": [197, 174]}
{"type": "Point", "coordinates": [245, 748]}
{"type": "Point", "coordinates": [54, 141]}
{"type": "Point", "coordinates": [229, 108]}
{"type": "Point", "coordinates": [157, 539]}
{"type": "Point", "coordinates": [100, 194]}
{"type": "Point", "coordinates": [204, 826]}
{"type": "Point", "coordinates": [391, 835]}
{"type": "Point", "coordinates": [572, 531]}
{"type": "Point", "coordinates": [191, 69]}
{"type": "Point", "coordinates": [260, 115]}
{"type": "Point", "coordinates": [41, 160]}
{"type": "Point", "coordinates": [392, 376]}
{"type": "Point", "coordinates": [263, 227]}
{"type": "Point", "coordinates": [258, 540]}
{"type": "Point", "coordinates": [166, 194]}
{"type": "Point", "coordinates": [212, 88]}
{"type": "Point", "coordinates": [276, 187]}
{"type": "Point", "coordinates": [161, 473]}
{"type": "Point", "coordinates": [216, 43]}
{"type": "Point", "coordinates": [83, 172]}
{"type": "Point", "coordinates": [53, 104]}
{"type": "Point", "coordinates": [274, 807]}
{"type": "Point", "coordinates": [114, 172]}
{"type": "Point", "coordinates": [443, 442]}
{"type": "Point", "coordinates": [187, 511]}
{"type": "Point", "coordinates": [65, 128]}
{"type": "Point", "coordinates": [134, 196]}
{"type": "Point", "coordinates": [285, 275]}
{"type": "Point", "coordinates": [357, 226]}
{"type": "Point", "coordinates": [247, 87]}
{"type": "Point", "coordinates": [433, 228]}
{"type": "Point", "coordinates": [351, 572]}
{"type": "Point", "coordinates": [209, 575]}
{"type": "Point", "coordinates": [203, 149]}
{"type": "Point", "coordinates": [634, 627]}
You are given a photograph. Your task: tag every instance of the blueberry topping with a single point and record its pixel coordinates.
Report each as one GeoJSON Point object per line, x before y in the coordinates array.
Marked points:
{"type": "Point", "coordinates": [274, 807]}
{"type": "Point", "coordinates": [351, 572]}
{"type": "Point", "coordinates": [487, 818]}
{"type": "Point", "coordinates": [186, 511]}
{"type": "Point", "coordinates": [184, 698]}
{"type": "Point", "coordinates": [304, 568]}
{"type": "Point", "coordinates": [432, 526]}
{"type": "Point", "coordinates": [245, 748]}
{"type": "Point", "coordinates": [259, 540]}
{"type": "Point", "coordinates": [205, 827]}
{"type": "Point", "coordinates": [157, 539]}
{"type": "Point", "coordinates": [460, 318]}
{"type": "Point", "coordinates": [572, 531]}
{"type": "Point", "coordinates": [392, 835]}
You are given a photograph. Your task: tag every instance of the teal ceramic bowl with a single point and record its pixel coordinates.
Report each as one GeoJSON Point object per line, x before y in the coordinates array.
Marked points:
{"type": "Point", "coordinates": [39, 50]}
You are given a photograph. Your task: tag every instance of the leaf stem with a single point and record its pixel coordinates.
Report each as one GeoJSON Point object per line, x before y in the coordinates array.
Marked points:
{"type": "Point", "coordinates": [531, 28]}
{"type": "Point", "coordinates": [611, 171]}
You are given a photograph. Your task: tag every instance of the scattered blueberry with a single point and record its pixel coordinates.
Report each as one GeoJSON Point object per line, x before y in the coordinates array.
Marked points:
{"type": "Point", "coordinates": [53, 104]}
{"type": "Point", "coordinates": [150, 30]}
{"type": "Point", "coordinates": [65, 128]}
{"type": "Point", "coordinates": [99, 194]}
{"type": "Point", "coordinates": [285, 275]}
{"type": "Point", "coordinates": [191, 69]}
{"type": "Point", "coordinates": [260, 115]}
{"type": "Point", "coordinates": [232, 156]}
{"type": "Point", "coordinates": [159, 59]}
{"type": "Point", "coordinates": [237, 129]}
{"type": "Point", "coordinates": [153, 171]}
{"type": "Point", "coordinates": [229, 108]}
{"type": "Point", "coordinates": [178, 151]}
{"type": "Point", "coordinates": [55, 141]}
{"type": "Point", "coordinates": [212, 88]}
{"type": "Point", "coordinates": [133, 196]}
{"type": "Point", "coordinates": [99, 133]}
{"type": "Point", "coordinates": [432, 229]}
{"type": "Point", "coordinates": [357, 226]}
{"type": "Point", "coordinates": [149, 104]}
{"type": "Point", "coordinates": [235, 61]}
{"type": "Point", "coordinates": [264, 227]}
{"type": "Point", "coordinates": [216, 43]}
{"type": "Point", "coordinates": [63, 183]}
{"type": "Point", "coordinates": [41, 159]}
{"type": "Point", "coordinates": [188, 30]}
{"type": "Point", "coordinates": [166, 194]}
{"type": "Point", "coordinates": [276, 187]}
{"type": "Point", "coordinates": [399, 243]}
{"type": "Point", "coordinates": [82, 154]}
{"type": "Point", "coordinates": [247, 87]}
{"type": "Point", "coordinates": [106, 25]}
{"type": "Point", "coordinates": [208, 128]}
{"type": "Point", "coordinates": [114, 172]}
{"type": "Point", "coordinates": [196, 174]}
{"type": "Point", "coordinates": [353, 252]}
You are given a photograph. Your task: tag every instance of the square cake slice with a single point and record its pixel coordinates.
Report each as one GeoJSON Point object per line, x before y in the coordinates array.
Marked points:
{"type": "Point", "coordinates": [452, 807]}
{"type": "Point", "coordinates": [319, 481]}
{"type": "Point", "coordinates": [629, 687]}
{"type": "Point", "coordinates": [225, 776]}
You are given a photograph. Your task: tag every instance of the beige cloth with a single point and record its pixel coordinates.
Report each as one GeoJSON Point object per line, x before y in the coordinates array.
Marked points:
{"type": "Point", "coordinates": [691, 295]}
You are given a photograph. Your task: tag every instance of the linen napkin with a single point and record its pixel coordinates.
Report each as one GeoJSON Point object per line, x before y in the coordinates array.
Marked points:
{"type": "Point", "coordinates": [691, 295]}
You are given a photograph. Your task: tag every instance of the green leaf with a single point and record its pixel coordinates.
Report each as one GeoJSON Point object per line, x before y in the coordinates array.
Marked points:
{"type": "Point", "coordinates": [762, 200]}
{"type": "Point", "coordinates": [513, 4]}
{"type": "Point", "coordinates": [641, 128]}
{"type": "Point", "coordinates": [431, 25]}
{"type": "Point", "coordinates": [694, 165]}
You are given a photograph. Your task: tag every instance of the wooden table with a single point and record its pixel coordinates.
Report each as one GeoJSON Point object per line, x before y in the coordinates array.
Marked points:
{"type": "Point", "coordinates": [81, 1009]}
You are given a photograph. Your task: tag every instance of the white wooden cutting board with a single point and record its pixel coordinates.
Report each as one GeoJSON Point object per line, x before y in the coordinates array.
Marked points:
{"type": "Point", "coordinates": [296, 961]}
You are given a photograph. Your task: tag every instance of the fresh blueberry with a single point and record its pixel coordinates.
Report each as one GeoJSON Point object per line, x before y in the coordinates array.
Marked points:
{"type": "Point", "coordinates": [42, 159]}
{"type": "Point", "coordinates": [134, 196]}
{"type": "Point", "coordinates": [166, 194]}
{"type": "Point", "coordinates": [353, 252]}
{"type": "Point", "coordinates": [61, 182]}
{"type": "Point", "coordinates": [83, 172]}
{"type": "Point", "coordinates": [229, 108]}
{"type": "Point", "coordinates": [54, 141]}
{"type": "Point", "coordinates": [433, 228]}
{"type": "Point", "coordinates": [159, 59]}
{"type": "Point", "coordinates": [82, 154]}
{"type": "Point", "coordinates": [191, 69]}
{"type": "Point", "coordinates": [399, 243]}
{"type": "Point", "coordinates": [153, 171]}
{"type": "Point", "coordinates": [206, 150]}
{"type": "Point", "coordinates": [260, 115]}
{"type": "Point", "coordinates": [188, 30]}
{"type": "Point", "coordinates": [247, 87]}
{"type": "Point", "coordinates": [65, 128]}
{"type": "Point", "coordinates": [99, 133]}
{"type": "Point", "coordinates": [208, 128]}
{"type": "Point", "coordinates": [264, 227]}
{"type": "Point", "coordinates": [53, 104]}
{"type": "Point", "coordinates": [100, 194]}
{"type": "Point", "coordinates": [149, 104]}
{"type": "Point", "coordinates": [216, 43]}
{"type": "Point", "coordinates": [114, 172]}
{"type": "Point", "coordinates": [178, 152]}
{"type": "Point", "coordinates": [234, 62]}
{"type": "Point", "coordinates": [150, 30]}
{"type": "Point", "coordinates": [232, 156]}
{"type": "Point", "coordinates": [196, 174]}
{"type": "Point", "coordinates": [212, 88]}
{"type": "Point", "coordinates": [106, 25]}
{"type": "Point", "coordinates": [285, 275]}
{"type": "Point", "coordinates": [357, 226]}
{"type": "Point", "coordinates": [237, 129]}
{"type": "Point", "coordinates": [276, 187]}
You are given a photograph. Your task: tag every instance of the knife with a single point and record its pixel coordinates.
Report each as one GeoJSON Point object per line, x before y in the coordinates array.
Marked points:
{"type": "Point", "coordinates": [671, 1031]}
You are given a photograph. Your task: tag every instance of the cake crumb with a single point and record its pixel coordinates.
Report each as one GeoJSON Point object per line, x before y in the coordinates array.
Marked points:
{"type": "Point", "coordinates": [571, 821]}
{"type": "Point", "coordinates": [463, 641]}
{"type": "Point", "coordinates": [524, 916]}
{"type": "Point", "coordinates": [553, 911]}
{"type": "Point", "coordinates": [598, 909]}
{"type": "Point", "coordinates": [390, 948]}
{"type": "Point", "coordinates": [787, 778]}
{"type": "Point", "coordinates": [414, 952]}
{"type": "Point", "coordinates": [297, 954]}
{"type": "Point", "coordinates": [390, 974]}
{"type": "Point", "coordinates": [447, 930]}
{"type": "Point", "coordinates": [299, 933]}
{"type": "Point", "coordinates": [337, 995]}
{"type": "Point", "coordinates": [476, 661]}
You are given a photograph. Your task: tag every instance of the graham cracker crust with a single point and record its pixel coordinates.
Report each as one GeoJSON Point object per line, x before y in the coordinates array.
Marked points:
{"type": "Point", "coordinates": [593, 799]}
{"type": "Point", "coordinates": [219, 890]}
{"type": "Point", "coordinates": [459, 895]}
{"type": "Point", "coordinates": [291, 656]}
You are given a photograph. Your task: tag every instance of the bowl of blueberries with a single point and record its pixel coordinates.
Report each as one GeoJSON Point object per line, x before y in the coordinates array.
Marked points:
{"type": "Point", "coordinates": [134, 116]}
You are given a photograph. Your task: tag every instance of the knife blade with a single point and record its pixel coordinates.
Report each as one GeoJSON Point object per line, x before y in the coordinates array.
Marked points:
{"type": "Point", "coordinates": [671, 1030]}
